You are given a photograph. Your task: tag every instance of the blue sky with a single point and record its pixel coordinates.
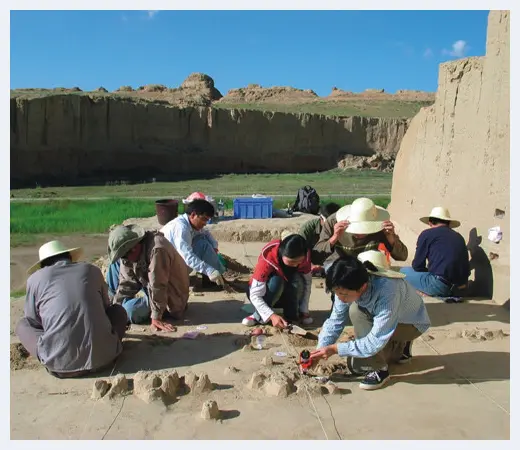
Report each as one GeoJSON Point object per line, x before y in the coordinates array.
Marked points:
{"type": "Point", "coordinates": [352, 50]}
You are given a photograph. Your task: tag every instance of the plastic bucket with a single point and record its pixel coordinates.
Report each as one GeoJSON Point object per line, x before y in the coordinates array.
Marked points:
{"type": "Point", "coordinates": [166, 209]}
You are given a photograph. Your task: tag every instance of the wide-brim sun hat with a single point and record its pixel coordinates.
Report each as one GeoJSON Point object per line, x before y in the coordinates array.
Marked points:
{"type": "Point", "coordinates": [439, 212]}
{"type": "Point", "coordinates": [364, 216]}
{"type": "Point", "coordinates": [378, 259]}
{"type": "Point", "coordinates": [54, 248]}
{"type": "Point", "coordinates": [122, 239]}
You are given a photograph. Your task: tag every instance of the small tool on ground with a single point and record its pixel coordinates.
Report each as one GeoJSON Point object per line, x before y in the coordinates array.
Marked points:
{"type": "Point", "coordinates": [295, 329]}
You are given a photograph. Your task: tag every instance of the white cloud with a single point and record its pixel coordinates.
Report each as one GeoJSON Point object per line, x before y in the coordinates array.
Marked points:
{"type": "Point", "coordinates": [458, 49]}
{"type": "Point", "coordinates": [428, 53]}
{"type": "Point", "coordinates": [152, 14]}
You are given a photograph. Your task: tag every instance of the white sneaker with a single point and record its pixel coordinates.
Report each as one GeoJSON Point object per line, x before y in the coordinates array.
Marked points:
{"type": "Point", "coordinates": [249, 321]}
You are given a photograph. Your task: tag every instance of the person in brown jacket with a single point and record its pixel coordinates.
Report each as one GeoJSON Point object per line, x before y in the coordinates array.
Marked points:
{"type": "Point", "coordinates": [146, 261]}
{"type": "Point", "coordinates": [355, 229]}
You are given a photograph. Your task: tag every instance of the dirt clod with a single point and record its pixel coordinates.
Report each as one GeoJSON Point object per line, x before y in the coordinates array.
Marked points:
{"type": "Point", "coordinates": [20, 358]}
{"type": "Point", "coordinates": [332, 388]}
{"type": "Point", "coordinates": [147, 386]}
{"type": "Point", "coordinates": [257, 381]}
{"type": "Point", "coordinates": [247, 348]}
{"type": "Point", "coordinates": [100, 389]}
{"type": "Point", "coordinates": [278, 386]}
{"type": "Point", "coordinates": [118, 386]}
{"type": "Point", "coordinates": [210, 410]}
{"type": "Point", "coordinates": [309, 340]}
{"type": "Point", "coordinates": [203, 384]}
{"type": "Point", "coordinates": [310, 386]}
{"type": "Point", "coordinates": [170, 383]}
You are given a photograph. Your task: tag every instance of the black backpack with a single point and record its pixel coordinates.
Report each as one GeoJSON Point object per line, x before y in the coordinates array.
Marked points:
{"type": "Point", "coordinates": [307, 200]}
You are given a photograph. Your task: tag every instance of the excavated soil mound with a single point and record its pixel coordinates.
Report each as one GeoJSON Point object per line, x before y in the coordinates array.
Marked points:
{"type": "Point", "coordinates": [20, 358]}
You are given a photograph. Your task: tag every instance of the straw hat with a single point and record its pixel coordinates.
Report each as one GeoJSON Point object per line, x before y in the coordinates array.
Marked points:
{"type": "Point", "coordinates": [379, 260]}
{"type": "Point", "coordinates": [122, 239]}
{"type": "Point", "coordinates": [442, 213]}
{"type": "Point", "coordinates": [364, 216]}
{"type": "Point", "coordinates": [54, 248]}
{"type": "Point", "coordinates": [286, 233]}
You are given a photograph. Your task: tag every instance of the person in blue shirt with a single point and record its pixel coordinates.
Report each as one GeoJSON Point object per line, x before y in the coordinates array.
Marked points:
{"type": "Point", "coordinates": [445, 250]}
{"type": "Point", "coordinates": [386, 312]}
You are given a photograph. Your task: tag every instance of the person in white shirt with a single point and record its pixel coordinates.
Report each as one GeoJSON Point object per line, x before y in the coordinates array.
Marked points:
{"type": "Point", "coordinates": [195, 244]}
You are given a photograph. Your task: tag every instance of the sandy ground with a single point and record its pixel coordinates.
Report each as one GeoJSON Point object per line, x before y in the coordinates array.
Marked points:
{"type": "Point", "coordinates": [455, 388]}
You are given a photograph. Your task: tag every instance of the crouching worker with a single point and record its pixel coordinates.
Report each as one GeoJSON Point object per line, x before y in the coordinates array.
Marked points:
{"type": "Point", "coordinates": [386, 312]}
{"type": "Point", "coordinates": [69, 325]}
{"type": "Point", "coordinates": [281, 279]}
{"type": "Point", "coordinates": [195, 244]}
{"type": "Point", "coordinates": [145, 260]}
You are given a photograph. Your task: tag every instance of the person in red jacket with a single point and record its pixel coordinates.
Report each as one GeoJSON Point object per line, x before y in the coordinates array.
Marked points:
{"type": "Point", "coordinates": [281, 279]}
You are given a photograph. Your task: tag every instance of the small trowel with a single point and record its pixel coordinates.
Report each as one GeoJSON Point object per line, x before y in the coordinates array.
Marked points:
{"type": "Point", "coordinates": [295, 329]}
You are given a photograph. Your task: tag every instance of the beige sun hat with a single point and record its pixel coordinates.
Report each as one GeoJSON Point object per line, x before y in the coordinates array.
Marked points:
{"type": "Point", "coordinates": [286, 233]}
{"type": "Point", "coordinates": [378, 259]}
{"type": "Point", "coordinates": [122, 239]}
{"type": "Point", "coordinates": [54, 248]}
{"type": "Point", "coordinates": [439, 212]}
{"type": "Point", "coordinates": [364, 216]}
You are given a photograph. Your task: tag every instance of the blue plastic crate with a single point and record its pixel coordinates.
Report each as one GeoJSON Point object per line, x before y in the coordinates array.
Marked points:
{"type": "Point", "coordinates": [253, 208]}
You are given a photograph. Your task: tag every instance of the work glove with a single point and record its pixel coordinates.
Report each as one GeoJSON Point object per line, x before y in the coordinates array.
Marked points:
{"type": "Point", "coordinates": [216, 278]}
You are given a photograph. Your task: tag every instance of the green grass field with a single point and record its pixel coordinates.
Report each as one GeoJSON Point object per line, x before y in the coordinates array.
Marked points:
{"type": "Point", "coordinates": [349, 183]}
{"type": "Point", "coordinates": [361, 107]}
{"type": "Point", "coordinates": [55, 217]}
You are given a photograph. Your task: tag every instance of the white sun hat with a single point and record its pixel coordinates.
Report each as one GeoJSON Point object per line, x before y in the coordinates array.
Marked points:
{"type": "Point", "coordinates": [364, 216]}
{"type": "Point", "coordinates": [54, 248]}
{"type": "Point", "coordinates": [378, 259]}
{"type": "Point", "coordinates": [439, 212]}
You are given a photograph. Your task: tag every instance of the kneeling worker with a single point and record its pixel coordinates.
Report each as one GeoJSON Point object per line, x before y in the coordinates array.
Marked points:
{"type": "Point", "coordinates": [145, 260]}
{"type": "Point", "coordinates": [386, 312]}
{"type": "Point", "coordinates": [69, 325]}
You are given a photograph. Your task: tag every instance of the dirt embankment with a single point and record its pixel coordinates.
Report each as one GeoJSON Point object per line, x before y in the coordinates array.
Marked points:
{"type": "Point", "coordinates": [458, 152]}
{"type": "Point", "coordinates": [70, 138]}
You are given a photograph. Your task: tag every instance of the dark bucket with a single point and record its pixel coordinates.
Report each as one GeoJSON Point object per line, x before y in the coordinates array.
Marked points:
{"type": "Point", "coordinates": [167, 209]}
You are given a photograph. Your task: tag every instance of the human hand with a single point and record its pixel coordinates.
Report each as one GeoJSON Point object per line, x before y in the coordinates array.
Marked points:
{"type": "Point", "coordinates": [340, 227]}
{"type": "Point", "coordinates": [278, 321]}
{"type": "Point", "coordinates": [160, 325]}
{"type": "Point", "coordinates": [389, 229]}
{"type": "Point", "coordinates": [324, 352]}
{"type": "Point", "coordinates": [216, 278]}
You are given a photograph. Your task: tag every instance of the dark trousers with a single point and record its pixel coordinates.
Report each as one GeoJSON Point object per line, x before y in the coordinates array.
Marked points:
{"type": "Point", "coordinates": [29, 336]}
{"type": "Point", "coordinates": [363, 322]}
{"type": "Point", "coordinates": [284, 294]}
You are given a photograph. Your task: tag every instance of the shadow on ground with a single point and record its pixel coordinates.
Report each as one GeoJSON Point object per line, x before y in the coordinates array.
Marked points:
{"type": "Point", "coordinates": [454, 368]}
{"type": "Point", "coordinates": [145, 352]}
{"type": "Point", "coordinates": [446, 313]}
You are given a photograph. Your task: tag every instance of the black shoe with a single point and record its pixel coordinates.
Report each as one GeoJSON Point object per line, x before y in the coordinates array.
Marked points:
{"type": "Point", "coordinates": [356, 372]}
{"type": "Point", "coordinates": [374, 380]}
{"type": "Point", "coordinates": [406, 357]}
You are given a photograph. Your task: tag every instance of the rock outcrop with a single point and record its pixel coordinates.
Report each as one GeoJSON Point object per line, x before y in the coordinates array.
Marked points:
{"type": "Point", "coordinates": [456, 154]}
{"type": "Point", "coordinates": [70, 139]}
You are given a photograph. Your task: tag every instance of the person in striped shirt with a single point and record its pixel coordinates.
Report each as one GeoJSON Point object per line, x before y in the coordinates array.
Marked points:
{"type": "Point", "coordinates": [385, 310]}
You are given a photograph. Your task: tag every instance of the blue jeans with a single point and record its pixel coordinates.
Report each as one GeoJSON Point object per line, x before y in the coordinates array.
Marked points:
{"type": "Point", "coordinates": [203, 248]}
{"type": "Point", "coordinates": [283, 294]}
{"type": "Point", "coordinates": [138, 308]}
{"type": "Point", "coordinates": [426, 282]}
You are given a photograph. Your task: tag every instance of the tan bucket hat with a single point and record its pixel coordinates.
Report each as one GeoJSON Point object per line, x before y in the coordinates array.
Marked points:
{"type": "Point", "coordinates": [379, 260]}
{"type": "Point", "coordinates": [122, 239]}
{"type": "Point", "coordinates": [442, 213]}
{"type": "Point", "coordinates": [364, 216]}
{"type": "Point", "coordinates": [54, 248]}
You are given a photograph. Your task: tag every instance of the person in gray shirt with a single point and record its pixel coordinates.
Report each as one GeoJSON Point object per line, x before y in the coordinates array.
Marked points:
{"type": "Point", "coordinates": [69, 325]}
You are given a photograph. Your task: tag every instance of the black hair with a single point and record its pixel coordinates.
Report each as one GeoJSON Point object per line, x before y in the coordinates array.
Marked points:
{"type": "Point", "coordinates": [436, 221]}
{"type": "Point", "coordinates": [328, 209]}
{"type": "Point", "coordinates": [349, 273]}
{"type": "Point", "coordinates": [201, 208]}
{"type": "Point", "coordinates": [51, 260]}
{"type": "Point", "coordinates": [294, 246]}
